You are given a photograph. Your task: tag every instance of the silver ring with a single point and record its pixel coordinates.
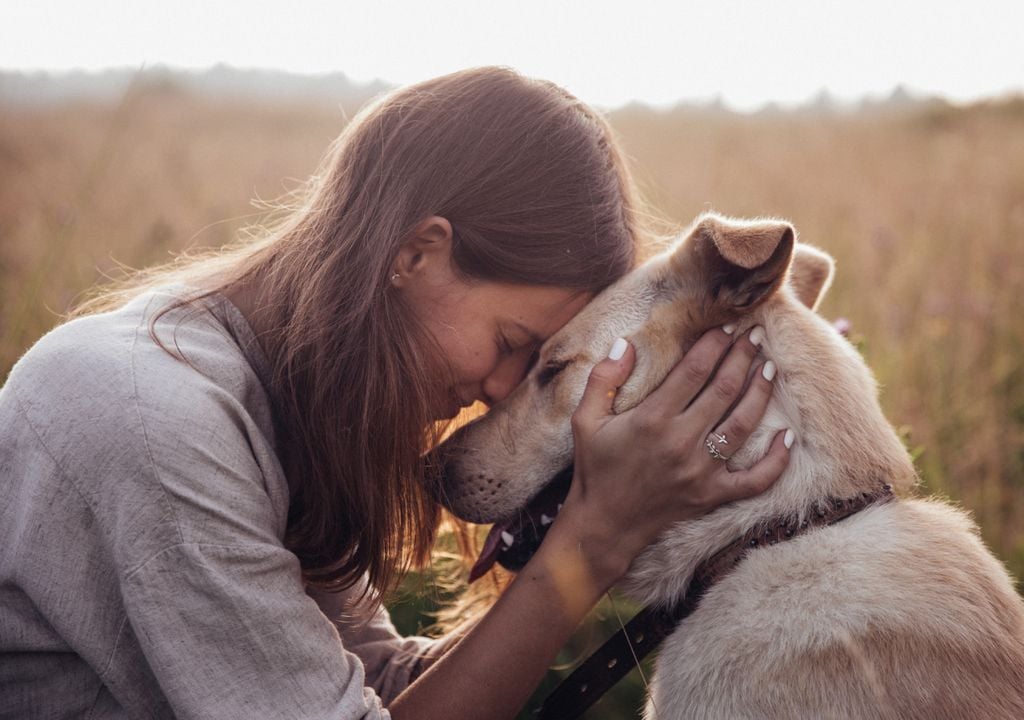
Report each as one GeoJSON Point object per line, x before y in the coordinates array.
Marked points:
{"type": "Point", "coordinates": [713, 448]}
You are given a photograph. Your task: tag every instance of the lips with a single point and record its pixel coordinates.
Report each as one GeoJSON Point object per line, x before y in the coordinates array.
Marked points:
{"type": "Point", "coordinates": [513, 542]}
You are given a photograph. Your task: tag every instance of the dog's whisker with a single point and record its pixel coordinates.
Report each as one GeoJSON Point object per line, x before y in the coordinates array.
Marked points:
{"type": "Point", "coordinates": [507, 435]}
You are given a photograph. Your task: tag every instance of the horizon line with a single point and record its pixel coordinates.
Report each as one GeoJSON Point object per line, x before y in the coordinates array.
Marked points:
{"type": "Point", "coordinates": [821, 99]}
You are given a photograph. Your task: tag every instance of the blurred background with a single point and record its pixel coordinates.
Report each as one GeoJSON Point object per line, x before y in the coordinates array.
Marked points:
{"type": "Point", "coordinates": [892, 139]}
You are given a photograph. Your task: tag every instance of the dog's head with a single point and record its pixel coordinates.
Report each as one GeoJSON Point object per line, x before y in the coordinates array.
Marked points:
{"type": "Point", "coordinates": [721, 271]}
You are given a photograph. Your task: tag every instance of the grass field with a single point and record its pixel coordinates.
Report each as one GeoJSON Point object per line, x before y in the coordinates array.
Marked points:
{"type": "Point", "coordinates": [922, 207]}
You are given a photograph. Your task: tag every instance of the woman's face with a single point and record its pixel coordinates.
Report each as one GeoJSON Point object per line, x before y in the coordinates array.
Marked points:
{"type": "Point", "coordinates": [490, 333]}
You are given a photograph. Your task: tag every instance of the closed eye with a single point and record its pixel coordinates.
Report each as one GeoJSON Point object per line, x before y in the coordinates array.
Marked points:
{"type": "Point", "coordinates": [550, 371]}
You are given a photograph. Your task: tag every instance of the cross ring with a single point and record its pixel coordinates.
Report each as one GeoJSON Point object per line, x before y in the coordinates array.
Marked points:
{"type": "Point", "coordinates": [712, 447]}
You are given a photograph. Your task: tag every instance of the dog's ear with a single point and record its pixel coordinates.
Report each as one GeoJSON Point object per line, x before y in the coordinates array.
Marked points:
{"type": "Point", "coordinates": [811, 274]}
{"type": "Point", "coordinates": [743, 261]}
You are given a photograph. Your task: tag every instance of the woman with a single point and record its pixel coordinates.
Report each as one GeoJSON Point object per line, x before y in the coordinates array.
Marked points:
{"type": "Point", "coordinates": [208, 485]}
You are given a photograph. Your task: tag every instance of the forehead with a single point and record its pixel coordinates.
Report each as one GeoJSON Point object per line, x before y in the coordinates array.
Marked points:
{"type": "Point", "coordinates": [540, 311]}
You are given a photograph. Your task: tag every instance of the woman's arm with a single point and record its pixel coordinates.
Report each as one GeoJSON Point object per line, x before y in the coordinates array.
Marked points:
{"type": "Point", "coordinates": [604, 524]}
{"type": "Point", "coordinates": [497, 665]}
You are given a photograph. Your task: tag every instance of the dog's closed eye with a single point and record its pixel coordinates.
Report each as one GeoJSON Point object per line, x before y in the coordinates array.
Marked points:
{"type": "Point", "coordinates": [550, 371]}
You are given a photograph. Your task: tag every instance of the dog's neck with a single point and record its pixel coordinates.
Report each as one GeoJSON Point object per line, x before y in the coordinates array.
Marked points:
{"type": "Point", "coordinates": [825, 393]}
{"type": "Point", "coordinates": [844, 446]}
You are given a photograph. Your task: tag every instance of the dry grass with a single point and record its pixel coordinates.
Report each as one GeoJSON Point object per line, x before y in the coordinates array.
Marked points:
{"type": "Point", "coordinates": [923, 209]}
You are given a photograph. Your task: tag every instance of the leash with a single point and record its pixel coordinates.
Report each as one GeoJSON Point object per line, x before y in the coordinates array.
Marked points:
{"type": "Point", "coordinates": [640, 636]}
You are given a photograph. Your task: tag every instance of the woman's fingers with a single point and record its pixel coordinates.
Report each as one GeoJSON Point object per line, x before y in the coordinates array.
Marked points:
{"type": "Point", "coordinates": [734, 430]}
{"type": "Point", "coordinates": [739, 484]}
{"type": "Point", "coordinates": [725, 387]}
{"type": "Point", "coordinates": [604, 382]}
{"type": "Point", "coordinates": [690, 374]}
{"type": "Point", "coordinates": [661, 451]}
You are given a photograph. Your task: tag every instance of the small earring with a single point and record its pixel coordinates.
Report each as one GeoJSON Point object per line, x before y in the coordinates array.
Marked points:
{"type": "Point", "coordinates": [395, 277]}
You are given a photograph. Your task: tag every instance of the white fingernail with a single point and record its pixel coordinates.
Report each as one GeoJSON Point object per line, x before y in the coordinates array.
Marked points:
{"type": "Point", "coordinates": [788, 440]}
{"type": "Point", "coordinates": [729, 329]}
{"type": "Point", "coordinates": [768, 371]}
{"type": "Point", "coordinates": [618, 349]}
{"type": "Point", "coordinates": [507, 538]}
{"type": "Point", "coordinates": [757, 335]}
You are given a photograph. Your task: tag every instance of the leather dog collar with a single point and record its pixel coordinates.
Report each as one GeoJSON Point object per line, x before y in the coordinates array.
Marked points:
{"type": "Point", "coordinates": [641, 635]}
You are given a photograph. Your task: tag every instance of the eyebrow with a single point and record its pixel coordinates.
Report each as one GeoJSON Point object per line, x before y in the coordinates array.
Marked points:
{"type": "Point", "coordinates": [528, 332]}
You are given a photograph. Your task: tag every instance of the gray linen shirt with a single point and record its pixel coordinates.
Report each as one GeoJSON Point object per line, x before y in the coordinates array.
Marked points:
{"type": "Point", "coordinates": [142, 511]}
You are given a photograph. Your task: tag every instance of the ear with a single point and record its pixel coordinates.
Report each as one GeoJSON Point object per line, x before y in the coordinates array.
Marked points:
{"type": "Point", "coordinates": [427, 249]}
{"type": "Point", "coordinates": [811, 274]}
{"type": "Point", "coordinates": [743, 261]}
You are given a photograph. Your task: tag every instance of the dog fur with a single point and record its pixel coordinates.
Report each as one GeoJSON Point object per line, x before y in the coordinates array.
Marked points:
{"type": "Point", "coordinates": [897, 612]}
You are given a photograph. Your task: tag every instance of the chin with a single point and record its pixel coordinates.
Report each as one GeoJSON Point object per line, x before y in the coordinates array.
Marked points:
{"type": "Point", "coordinates": [457, 406]}
{"type": "Point", "coordinates": [448, 413]}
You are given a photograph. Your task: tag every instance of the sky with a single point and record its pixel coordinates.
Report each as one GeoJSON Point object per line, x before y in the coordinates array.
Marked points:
{"type": "Point", "coordinates": [607, 53]}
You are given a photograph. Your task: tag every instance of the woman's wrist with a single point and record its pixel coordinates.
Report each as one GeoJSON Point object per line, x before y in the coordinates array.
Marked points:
{"type": "Point", "coordinates": [581, 549]}
{"type": "Point", "coordinates": [517, 639]}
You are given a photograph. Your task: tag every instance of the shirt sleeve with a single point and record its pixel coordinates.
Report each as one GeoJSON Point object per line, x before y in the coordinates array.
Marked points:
{"type": "Point", "coordinates": [230, 634]}
{"type": "Point", "coordinates": [219, 607]}
{"type": "Point", "coordinates": [391, 661]}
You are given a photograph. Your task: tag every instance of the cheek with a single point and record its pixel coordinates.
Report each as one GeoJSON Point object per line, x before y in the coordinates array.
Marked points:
{"type": "Point", "coordinates": [470, 353]}
{"type": "Point", "coordinates": [472, 365]}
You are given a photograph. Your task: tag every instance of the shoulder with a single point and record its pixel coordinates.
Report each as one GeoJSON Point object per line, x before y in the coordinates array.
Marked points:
{"type": "Point", "coordinates": [77, 377]}
{"type": "Point", "coordinates": [90, 372]}
{"type": "Point", "coordinates": [180, 421]}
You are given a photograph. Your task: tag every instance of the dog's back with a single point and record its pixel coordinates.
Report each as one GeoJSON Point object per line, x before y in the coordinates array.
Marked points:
{"type": "Point", "coordinates": [896, 612]}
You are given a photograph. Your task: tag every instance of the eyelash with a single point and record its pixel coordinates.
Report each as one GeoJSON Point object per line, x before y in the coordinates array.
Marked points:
{"type": "Point", "coordinates": [504, 346]}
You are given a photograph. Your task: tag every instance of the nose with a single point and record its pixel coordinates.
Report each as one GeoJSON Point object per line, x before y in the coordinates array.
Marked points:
{"type": "Point", "coordinates": [505, 378]}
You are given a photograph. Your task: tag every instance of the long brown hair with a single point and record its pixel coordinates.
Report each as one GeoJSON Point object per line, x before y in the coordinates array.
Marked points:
{"type": "Point", "coordinates": [536, 192]}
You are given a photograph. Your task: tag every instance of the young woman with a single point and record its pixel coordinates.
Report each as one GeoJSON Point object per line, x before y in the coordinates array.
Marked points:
{"type": "Point", "coordinates": [208, 484]}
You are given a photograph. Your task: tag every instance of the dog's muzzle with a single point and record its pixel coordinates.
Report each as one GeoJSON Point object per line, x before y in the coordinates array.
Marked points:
{"type": "Point", "coordinates": [513, 542]}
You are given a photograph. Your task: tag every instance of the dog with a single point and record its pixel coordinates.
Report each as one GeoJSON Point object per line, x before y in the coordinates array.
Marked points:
{"type": "Point", "coordinates": [898, 611]}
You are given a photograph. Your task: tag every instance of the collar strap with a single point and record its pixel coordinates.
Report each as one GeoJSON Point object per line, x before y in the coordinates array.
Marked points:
{"type": "Point", "coordinates": [623, 651]}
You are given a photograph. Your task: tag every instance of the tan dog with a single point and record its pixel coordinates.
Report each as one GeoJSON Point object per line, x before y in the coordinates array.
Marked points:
{"type": "Point", "coordinates": [896, 612]}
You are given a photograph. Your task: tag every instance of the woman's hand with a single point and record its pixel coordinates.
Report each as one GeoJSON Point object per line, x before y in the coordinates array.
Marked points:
{"type": "Point", "coordinates": [639, 471]}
